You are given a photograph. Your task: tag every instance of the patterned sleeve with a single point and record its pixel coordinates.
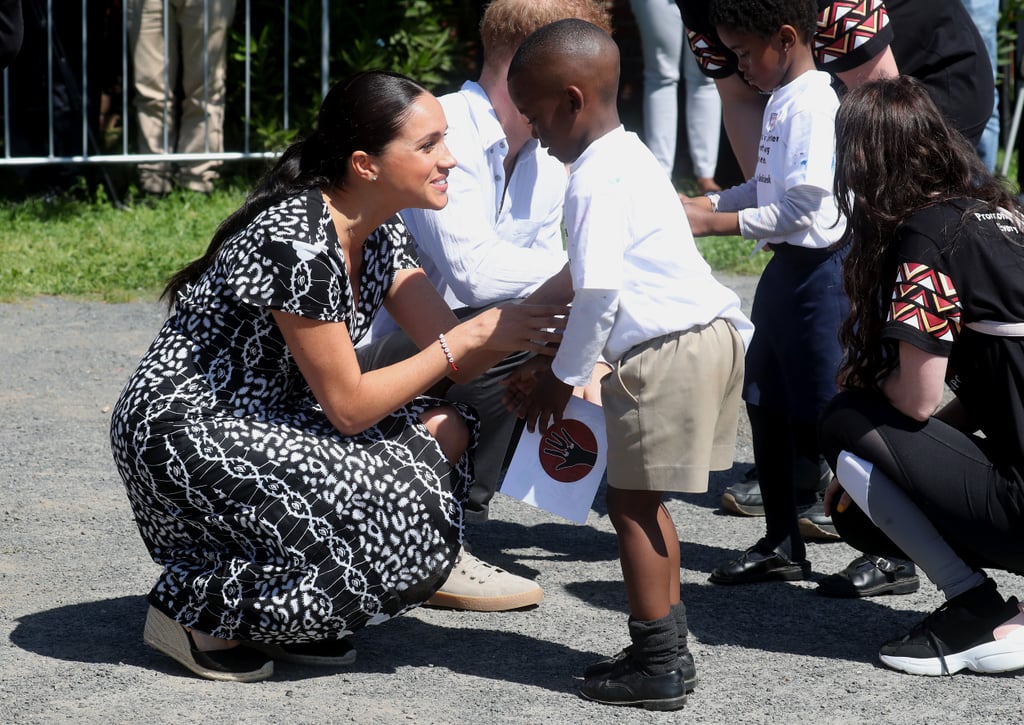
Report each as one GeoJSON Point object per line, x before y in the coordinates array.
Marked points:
{"type": "Point", "coordinates": [713, 58]}
{"type": "Point", "coordinates": [850, 32]}
{"type": "Point", "coordinates": [294, 263]}
{"type": "Point", "coordinates": [925, 308]}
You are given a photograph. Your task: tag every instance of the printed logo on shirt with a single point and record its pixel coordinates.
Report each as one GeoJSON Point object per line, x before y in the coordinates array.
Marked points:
{"type": "Point", "coordinates": [1003, 220]}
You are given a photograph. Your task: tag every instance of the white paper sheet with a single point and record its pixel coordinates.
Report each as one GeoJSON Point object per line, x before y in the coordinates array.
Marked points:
{"type": "Point", "coordinates": [559, 470]}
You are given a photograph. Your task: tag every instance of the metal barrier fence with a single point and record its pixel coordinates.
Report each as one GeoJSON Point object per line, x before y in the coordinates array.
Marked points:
{"type": "Point", "coordinates": [92, 152]}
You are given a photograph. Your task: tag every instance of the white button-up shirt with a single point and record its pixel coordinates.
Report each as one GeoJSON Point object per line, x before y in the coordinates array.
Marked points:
{"type": "Point", "coordinates": [492, 242]}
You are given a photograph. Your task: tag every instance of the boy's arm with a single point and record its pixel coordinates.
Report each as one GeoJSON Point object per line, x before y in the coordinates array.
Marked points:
{"type": "Point", "coordinates": [704, 222]}
{"type": "Point", "coordinates": [793, 214]}
{"type": "Point", "coordinates": [715, 214]}
{"type": "Point", "coordinates": [586, 332]}
{"type": "Point", "coordinates": [590, 323]}
{"type": "Point", "coordinates": [807, 181]}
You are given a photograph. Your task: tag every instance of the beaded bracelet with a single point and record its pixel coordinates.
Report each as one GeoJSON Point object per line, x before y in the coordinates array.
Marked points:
{"type": "Point", "coordinates": [447, 352]}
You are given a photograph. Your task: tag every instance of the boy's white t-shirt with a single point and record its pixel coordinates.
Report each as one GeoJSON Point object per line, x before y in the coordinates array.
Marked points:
{"type": "Point", "coordinates": [636, 271]}
{"type": "Point", "coordinates": [796, 154]}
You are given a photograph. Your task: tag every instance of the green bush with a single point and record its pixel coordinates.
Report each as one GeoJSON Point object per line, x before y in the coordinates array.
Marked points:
{"type": "Point", "coordinates": [431, 41]}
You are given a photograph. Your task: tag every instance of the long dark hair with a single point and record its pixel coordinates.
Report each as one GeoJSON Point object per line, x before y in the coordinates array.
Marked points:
{"type": "Point", "coordinates": [895, 155]}
{"type": "Point", "coordinates": [363, 113]}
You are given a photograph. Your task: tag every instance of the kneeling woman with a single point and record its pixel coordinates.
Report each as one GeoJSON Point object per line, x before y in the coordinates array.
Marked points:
{"type": "Point", "coordinates": [935, 276]}
{"type": "Point", "coordinates": [290, 497]}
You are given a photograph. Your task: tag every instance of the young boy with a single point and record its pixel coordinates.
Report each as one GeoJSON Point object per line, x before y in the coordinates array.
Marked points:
{"type": "Point", "coordinates": [788, 206]}
{"type": "Point", "coordinates": [645, 299]}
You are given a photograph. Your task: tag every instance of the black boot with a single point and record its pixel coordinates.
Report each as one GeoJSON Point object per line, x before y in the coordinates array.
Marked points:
{"type": "Point", "coordinates": [649, 675]}
{"type": "Point", "coordinates": [686, 664]}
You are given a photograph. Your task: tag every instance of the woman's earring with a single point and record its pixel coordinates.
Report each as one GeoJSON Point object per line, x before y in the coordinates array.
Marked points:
{"type": "Point", "coordinates": [373, 178]}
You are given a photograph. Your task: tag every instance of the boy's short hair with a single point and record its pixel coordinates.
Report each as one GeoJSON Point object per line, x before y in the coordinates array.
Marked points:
{"type": "Point", "coordinates": [560, 45]}
{"type": "Point", "coordinates": [765, 17]}
{"type": "Point", "coordinates": [507, 23]}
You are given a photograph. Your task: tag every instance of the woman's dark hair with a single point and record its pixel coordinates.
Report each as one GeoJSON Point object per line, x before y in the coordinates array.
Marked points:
{"type": "Point", "coordinates": [363, 113]}
{"type": "Point", "coordinates": [765, 17]}
{"type": "Point", "coordinates": [895, 155]}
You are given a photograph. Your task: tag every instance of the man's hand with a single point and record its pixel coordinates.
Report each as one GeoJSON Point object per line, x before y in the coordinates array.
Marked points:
{"type": "Point", "coordinates": [545, 402]}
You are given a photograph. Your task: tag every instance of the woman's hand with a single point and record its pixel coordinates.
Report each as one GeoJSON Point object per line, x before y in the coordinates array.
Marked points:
{"type": "Point", "coordinates": [836, 489]}
{"type": "Point", "coordinates": [519, 326]}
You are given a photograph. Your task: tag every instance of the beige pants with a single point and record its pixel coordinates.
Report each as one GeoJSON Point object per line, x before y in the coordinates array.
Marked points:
{"type": "Point", "coordinates": [195, 42]}
{"type": "Point", "coordinates": [671, 408]}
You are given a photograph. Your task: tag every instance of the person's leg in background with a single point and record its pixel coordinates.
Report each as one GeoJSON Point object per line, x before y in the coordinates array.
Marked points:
{"type": "Point", "coordinates": [204, 35]}
{"type": "Point", "coordinates": [703, 123]}
{"type": "Point", "coordinates": [661, 38]}
{"type": "Point", "coordinates": [985, 14]}
{"type": "Point", "coordinates": [153, 55]}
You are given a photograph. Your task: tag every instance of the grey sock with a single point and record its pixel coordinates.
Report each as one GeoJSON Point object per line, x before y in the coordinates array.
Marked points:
{"type": "Point", "coordinates": [655, 643]}
{"type": "Point", "coordinates": [679, 615]}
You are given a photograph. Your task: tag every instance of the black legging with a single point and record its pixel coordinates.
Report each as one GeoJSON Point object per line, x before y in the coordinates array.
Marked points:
{"type": "Point", "coordinates": [785, 451]}
{"type": "Point", "coordinates": [978, 509]}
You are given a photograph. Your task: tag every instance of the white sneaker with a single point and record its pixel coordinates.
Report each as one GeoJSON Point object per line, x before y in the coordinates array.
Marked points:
{"type": "Point", "coordinates": [477, 586]}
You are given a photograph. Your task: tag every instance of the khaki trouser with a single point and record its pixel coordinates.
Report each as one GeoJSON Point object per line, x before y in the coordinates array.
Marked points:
{"type": "Point", "coordinates": [196, 40]}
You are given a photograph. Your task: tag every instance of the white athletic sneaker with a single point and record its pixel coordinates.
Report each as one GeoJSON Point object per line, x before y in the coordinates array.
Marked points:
{"type": "Point", "coordinates": [956, 637]}
{"type": "Point", "coordinates": [477, 586]}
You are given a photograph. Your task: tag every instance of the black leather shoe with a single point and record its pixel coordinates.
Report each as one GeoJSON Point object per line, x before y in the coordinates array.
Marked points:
{"type": "Point", "coordinates": [869, 576]}
{"type": "Point", "coordinates": [627, 683]}
{"type": "Point", "coordinates": [686, 666]}
{"type": "Point", "coordinates": [814, 523]}
{"type": "Point", "coordinates": [755, 565]}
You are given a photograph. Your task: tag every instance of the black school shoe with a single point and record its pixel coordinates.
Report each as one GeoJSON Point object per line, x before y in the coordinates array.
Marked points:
{"type": "Point", "coordinates": [976, 630]}
{"type": "Point", "coordinates": [757, 565]}
{"type": "Point", "coordinates": [627, 683]}
{"type": "Point", "coordinates": [686, 666]}
{"type": "Point", "coordinates": [871, 576]}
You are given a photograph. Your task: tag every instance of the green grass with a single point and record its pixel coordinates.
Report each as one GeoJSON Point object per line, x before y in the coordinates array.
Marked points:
{"type": "Point", "coordinates": [80, 245]}
{"type": "Point", "coordinates": [91, 249]}
{"type": "Point", "coordinates": [731, 255]}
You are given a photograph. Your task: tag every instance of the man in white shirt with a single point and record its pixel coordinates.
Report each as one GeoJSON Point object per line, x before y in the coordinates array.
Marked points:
{"type": "Point", "coordinates": [499, 238]}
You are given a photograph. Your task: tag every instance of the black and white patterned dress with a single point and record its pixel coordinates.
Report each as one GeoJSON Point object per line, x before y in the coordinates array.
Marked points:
{"type": "Point", "coordinates": [270, 524]}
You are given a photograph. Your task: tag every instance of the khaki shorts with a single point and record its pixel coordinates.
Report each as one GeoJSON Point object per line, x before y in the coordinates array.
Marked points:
{"type": "Point", "coordinates": [672, 407]}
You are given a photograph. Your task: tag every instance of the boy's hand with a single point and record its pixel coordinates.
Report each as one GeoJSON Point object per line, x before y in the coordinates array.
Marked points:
{"type": "Point", "coordinates": [545, 402]}
{"type": "Point", "coordinates": [521, 381]}
{"type": "Point", "coordinates": [700, 218]}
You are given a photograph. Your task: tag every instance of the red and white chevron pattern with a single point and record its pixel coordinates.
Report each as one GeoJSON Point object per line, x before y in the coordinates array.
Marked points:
{"type": "Point", "coordinates": [926, 300]}
{"type": "Point", "coordinates": [708, 53]}
{"type": "Point", "coordinates": [846, 25]}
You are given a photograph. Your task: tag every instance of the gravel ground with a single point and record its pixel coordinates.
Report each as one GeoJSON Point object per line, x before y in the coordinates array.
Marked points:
{"type": "Point", "coordinates": [74, 574]}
